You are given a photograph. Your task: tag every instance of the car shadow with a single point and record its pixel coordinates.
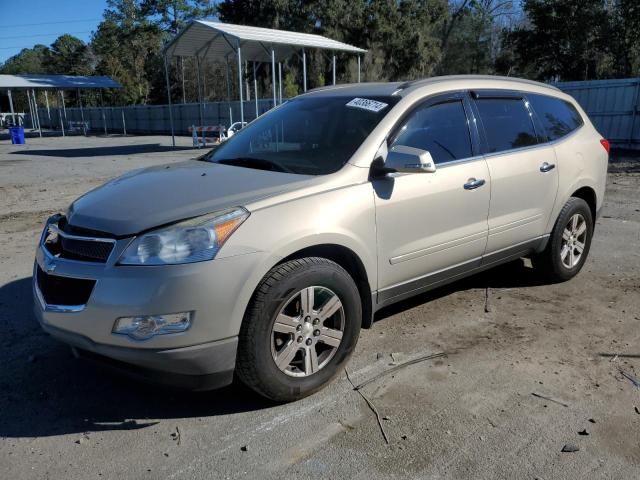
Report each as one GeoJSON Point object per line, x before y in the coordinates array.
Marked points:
{"type": "Point", "coordinates": [45, 390]}
{"type": "Point", "coordinates": [101, 151]}
{"type": "Point", "coordinates": [515, 274]}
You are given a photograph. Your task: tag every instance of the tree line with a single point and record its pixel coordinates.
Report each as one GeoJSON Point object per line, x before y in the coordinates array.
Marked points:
{"type": "Point", "coordinates": [546, 40]}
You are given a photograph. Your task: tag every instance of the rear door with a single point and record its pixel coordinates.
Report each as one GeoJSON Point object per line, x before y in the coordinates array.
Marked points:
{"type": "Point", "coordinates": [524, 177]}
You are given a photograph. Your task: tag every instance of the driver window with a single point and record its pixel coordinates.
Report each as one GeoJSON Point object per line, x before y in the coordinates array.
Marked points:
{"type": "Point", "coordinates": [441, 129]}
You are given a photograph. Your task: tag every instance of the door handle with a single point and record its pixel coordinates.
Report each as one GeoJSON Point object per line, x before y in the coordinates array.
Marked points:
{"type": "Point", "coordinates": [547, 167]}
{"type": "Point", "coordinates": [472, 183]}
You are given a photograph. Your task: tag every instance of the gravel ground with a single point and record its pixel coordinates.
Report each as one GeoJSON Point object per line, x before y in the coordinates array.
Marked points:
{"type": "Point", "coordinates": [471, 414]}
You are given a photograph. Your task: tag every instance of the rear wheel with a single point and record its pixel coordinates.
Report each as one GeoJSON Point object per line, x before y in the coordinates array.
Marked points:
{"type": "Point", "coordinates": [301, 327]}
{"type": "Point", "coordinates": [569, 243]}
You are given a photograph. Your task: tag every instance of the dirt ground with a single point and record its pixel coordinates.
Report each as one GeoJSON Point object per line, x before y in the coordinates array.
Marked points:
{"type": "Point", "coordinates": [472, 414]}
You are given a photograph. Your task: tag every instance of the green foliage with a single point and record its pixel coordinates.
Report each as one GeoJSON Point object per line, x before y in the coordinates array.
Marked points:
{"type": "Point", "coordinates": [172, 15]}
{"type": "Point", "coordinates": [127, 45]}
{"type": "Point", "coordinates": [69, 55]}
{"type": "Point", "coordinates": [574, 40]}
{"type": "Point", "coordinates": [29, 60]}
{"type": "Point", "coordinates": [290, 86]}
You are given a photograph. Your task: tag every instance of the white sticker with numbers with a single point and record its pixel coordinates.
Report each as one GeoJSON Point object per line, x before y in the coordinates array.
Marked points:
{"type": "Point", "coordinates": [366, 104]}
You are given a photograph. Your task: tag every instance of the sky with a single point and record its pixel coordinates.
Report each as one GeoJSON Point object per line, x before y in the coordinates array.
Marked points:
{"type": "Point", "coordinates": [25, 23]}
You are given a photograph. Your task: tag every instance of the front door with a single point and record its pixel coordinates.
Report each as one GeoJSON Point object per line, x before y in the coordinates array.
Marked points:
{"type": "Point", "coordinates": [431, 225]}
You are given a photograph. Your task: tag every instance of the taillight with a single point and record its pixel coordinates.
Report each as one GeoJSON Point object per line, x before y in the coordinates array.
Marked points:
{"type": "Point", "coordinates": [605, 143]}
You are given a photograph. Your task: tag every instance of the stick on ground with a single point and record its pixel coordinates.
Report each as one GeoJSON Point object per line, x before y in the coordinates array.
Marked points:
{"type": "Point", "coordinates": [398, 367]}
{"type": "Point", "coordinates": [549, 399]}
{"type": "Point", "coordinates": [371, 406]}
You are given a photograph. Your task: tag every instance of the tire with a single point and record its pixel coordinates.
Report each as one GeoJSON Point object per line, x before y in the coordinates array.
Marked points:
{"type": "Point", "coordinates": [554, 262]}
{"type": "Point", "coordinates": [263, 341]}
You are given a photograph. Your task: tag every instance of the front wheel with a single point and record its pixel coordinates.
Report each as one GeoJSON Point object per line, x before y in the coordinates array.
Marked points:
{"type": "Point", "coordinates": [299, 330]}
{"type": "Point", "coordinates": [569, 243]}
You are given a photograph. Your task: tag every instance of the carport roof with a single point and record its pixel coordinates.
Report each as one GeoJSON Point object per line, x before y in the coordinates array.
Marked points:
{"type": "Point", "coordinates": [216, 41]}
{"type": "Point", "coordinates": [55, 82]}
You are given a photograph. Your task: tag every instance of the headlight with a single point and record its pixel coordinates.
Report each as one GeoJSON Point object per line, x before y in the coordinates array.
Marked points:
{"type": "Point", "coordinates": [190, 241]}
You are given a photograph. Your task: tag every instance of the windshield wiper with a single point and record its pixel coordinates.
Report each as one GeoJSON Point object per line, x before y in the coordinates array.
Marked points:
{"type": "Point", "coordinates": [258, 163]}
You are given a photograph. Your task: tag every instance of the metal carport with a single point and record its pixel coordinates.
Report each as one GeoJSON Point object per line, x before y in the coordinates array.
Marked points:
{"type": "Point", "coordinates": [216, 41]}
{"type": "Point", "coordinates": [31, 83]}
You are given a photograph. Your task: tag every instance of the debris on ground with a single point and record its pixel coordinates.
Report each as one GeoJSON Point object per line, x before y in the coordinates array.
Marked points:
{"type": "Point", "coordinates": [631, 378]}
{"type": "Point", "coordinates": [176, 436]}
{"type": "Point", "coordinates": [244, 448]}
{"type": "Point", "coordinates": [583, 432]}
{"type": "Point", "coordinates": [636, 409]}
{"type": "Point", "coordinates": [591, 420]}
{"type": "Point", "coordinates": [549, 399]}
{"type": "Point", "coordinates": [570, 448]}
{"type": "Point", "coordinates": [82, 440]}
{"type": "Point", "coordinates": [487, 304]}
{"type": "Point", "coordinates": [399, 366]}
{"type": "Point", "coordinates": [371, 406]}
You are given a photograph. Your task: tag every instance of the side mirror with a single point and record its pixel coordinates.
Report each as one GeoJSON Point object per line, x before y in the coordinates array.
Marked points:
{"type": "Point", "coordinates": [404, 159]}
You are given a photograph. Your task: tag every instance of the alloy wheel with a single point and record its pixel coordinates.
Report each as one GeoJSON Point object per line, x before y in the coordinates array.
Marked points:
{"type": "Point", "coordinates": [574, 238]}
{"type": "Point", "coordinates": [307, 331]}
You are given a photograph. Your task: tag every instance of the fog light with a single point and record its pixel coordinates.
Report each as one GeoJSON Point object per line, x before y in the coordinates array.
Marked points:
{"type": "Point", "coordinates": [147, 326]}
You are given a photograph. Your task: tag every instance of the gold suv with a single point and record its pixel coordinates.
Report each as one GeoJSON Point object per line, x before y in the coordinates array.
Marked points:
{"type": "Point", "coordinates": [266, 256]}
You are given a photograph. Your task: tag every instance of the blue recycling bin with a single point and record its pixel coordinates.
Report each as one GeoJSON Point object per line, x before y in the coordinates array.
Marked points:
{"type": "Point", "coordinates": [17, 135]}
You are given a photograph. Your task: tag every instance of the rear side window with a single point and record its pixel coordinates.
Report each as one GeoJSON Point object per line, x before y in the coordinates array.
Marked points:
{"type": "Point", "coordinates": [558, 117]}
{"type": "Point", "coordinates": [441, 129]}
{"type": "Point", "coordinates": [507, 123]}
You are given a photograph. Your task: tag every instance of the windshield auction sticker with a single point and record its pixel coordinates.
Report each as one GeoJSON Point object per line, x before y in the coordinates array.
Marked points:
{"type": "Point", "coordinates": [366, 104]}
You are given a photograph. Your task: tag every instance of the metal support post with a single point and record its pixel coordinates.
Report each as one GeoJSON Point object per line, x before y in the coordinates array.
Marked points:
{"type": "Point", "coordinates": [61, 121]}
{"type": "Point", "coordinates": [273, 77]}
{"type": "Point", "coordinates": [304, 70]}
{"type": "Point", "coordinates": [80, 103]}
{"type": "Point", "coordinates": [246, 80]}
{"type": "Point", "coordinates": [358, 68]}
{"type": "Point", "coordinates": [166, 76]}
{"type": "Point", "coordinates": [334, 69]}
{"type": "Point", "coordinates": [33, 119]}
{"type": "Point", "coordinates": [64, 107]}
{"type": "Point", "coordinates": [46, 99]}
{"type": "Point", "coordinates": [240, 84]}
{"type": "Point", "coordinates": [35, 105]}
{"type": "Point", "coordinates": [280, 79]}
{"type": "Point", "coordinates": [255, 89]}
{"type": "Point", "coordinates": [229, 92]}
{"type": "Point", "coordinates": [200, 112]}
{"type": "Point", "coordinates": [13, 113]}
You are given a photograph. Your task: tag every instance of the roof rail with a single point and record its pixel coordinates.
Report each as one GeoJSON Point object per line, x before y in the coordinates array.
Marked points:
{"type": "Point", "coordinates": [427, 81]}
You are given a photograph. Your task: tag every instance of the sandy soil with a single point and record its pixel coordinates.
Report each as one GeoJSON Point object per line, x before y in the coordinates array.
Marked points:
{"type": "Point", "coordinates": [471, 414]}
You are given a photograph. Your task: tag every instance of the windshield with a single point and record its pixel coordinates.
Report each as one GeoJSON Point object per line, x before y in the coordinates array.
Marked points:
{"type": "Point", "coordinates": [307, 135]}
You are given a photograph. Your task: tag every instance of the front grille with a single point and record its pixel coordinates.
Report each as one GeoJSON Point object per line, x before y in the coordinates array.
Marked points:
{"type": "Point", "coordinates": [58, 290]}
{"type": "Point", "coordinates": [62, 240]}
{"type": "Point", "coordinates": [88, 251]}
{"type": "Point", "coordinates": [66, 227]}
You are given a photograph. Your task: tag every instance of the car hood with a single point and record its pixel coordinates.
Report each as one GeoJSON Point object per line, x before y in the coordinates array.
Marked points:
{"type": "Point", "coordinates": [147, 198]}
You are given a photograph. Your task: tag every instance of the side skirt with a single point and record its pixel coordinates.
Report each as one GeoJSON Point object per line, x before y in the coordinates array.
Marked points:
{"type": "Point", "coordinates": [423, 284]}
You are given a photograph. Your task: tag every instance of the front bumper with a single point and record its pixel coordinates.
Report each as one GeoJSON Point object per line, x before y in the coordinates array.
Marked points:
{"type": "Point", "coordinates": [199, 367]}
{"type": "Point", "coordinates": [199, 358]}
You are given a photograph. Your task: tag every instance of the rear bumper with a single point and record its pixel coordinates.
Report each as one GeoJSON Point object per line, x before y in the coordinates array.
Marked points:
{"type": "Point", "coordinates": [199, 367]}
